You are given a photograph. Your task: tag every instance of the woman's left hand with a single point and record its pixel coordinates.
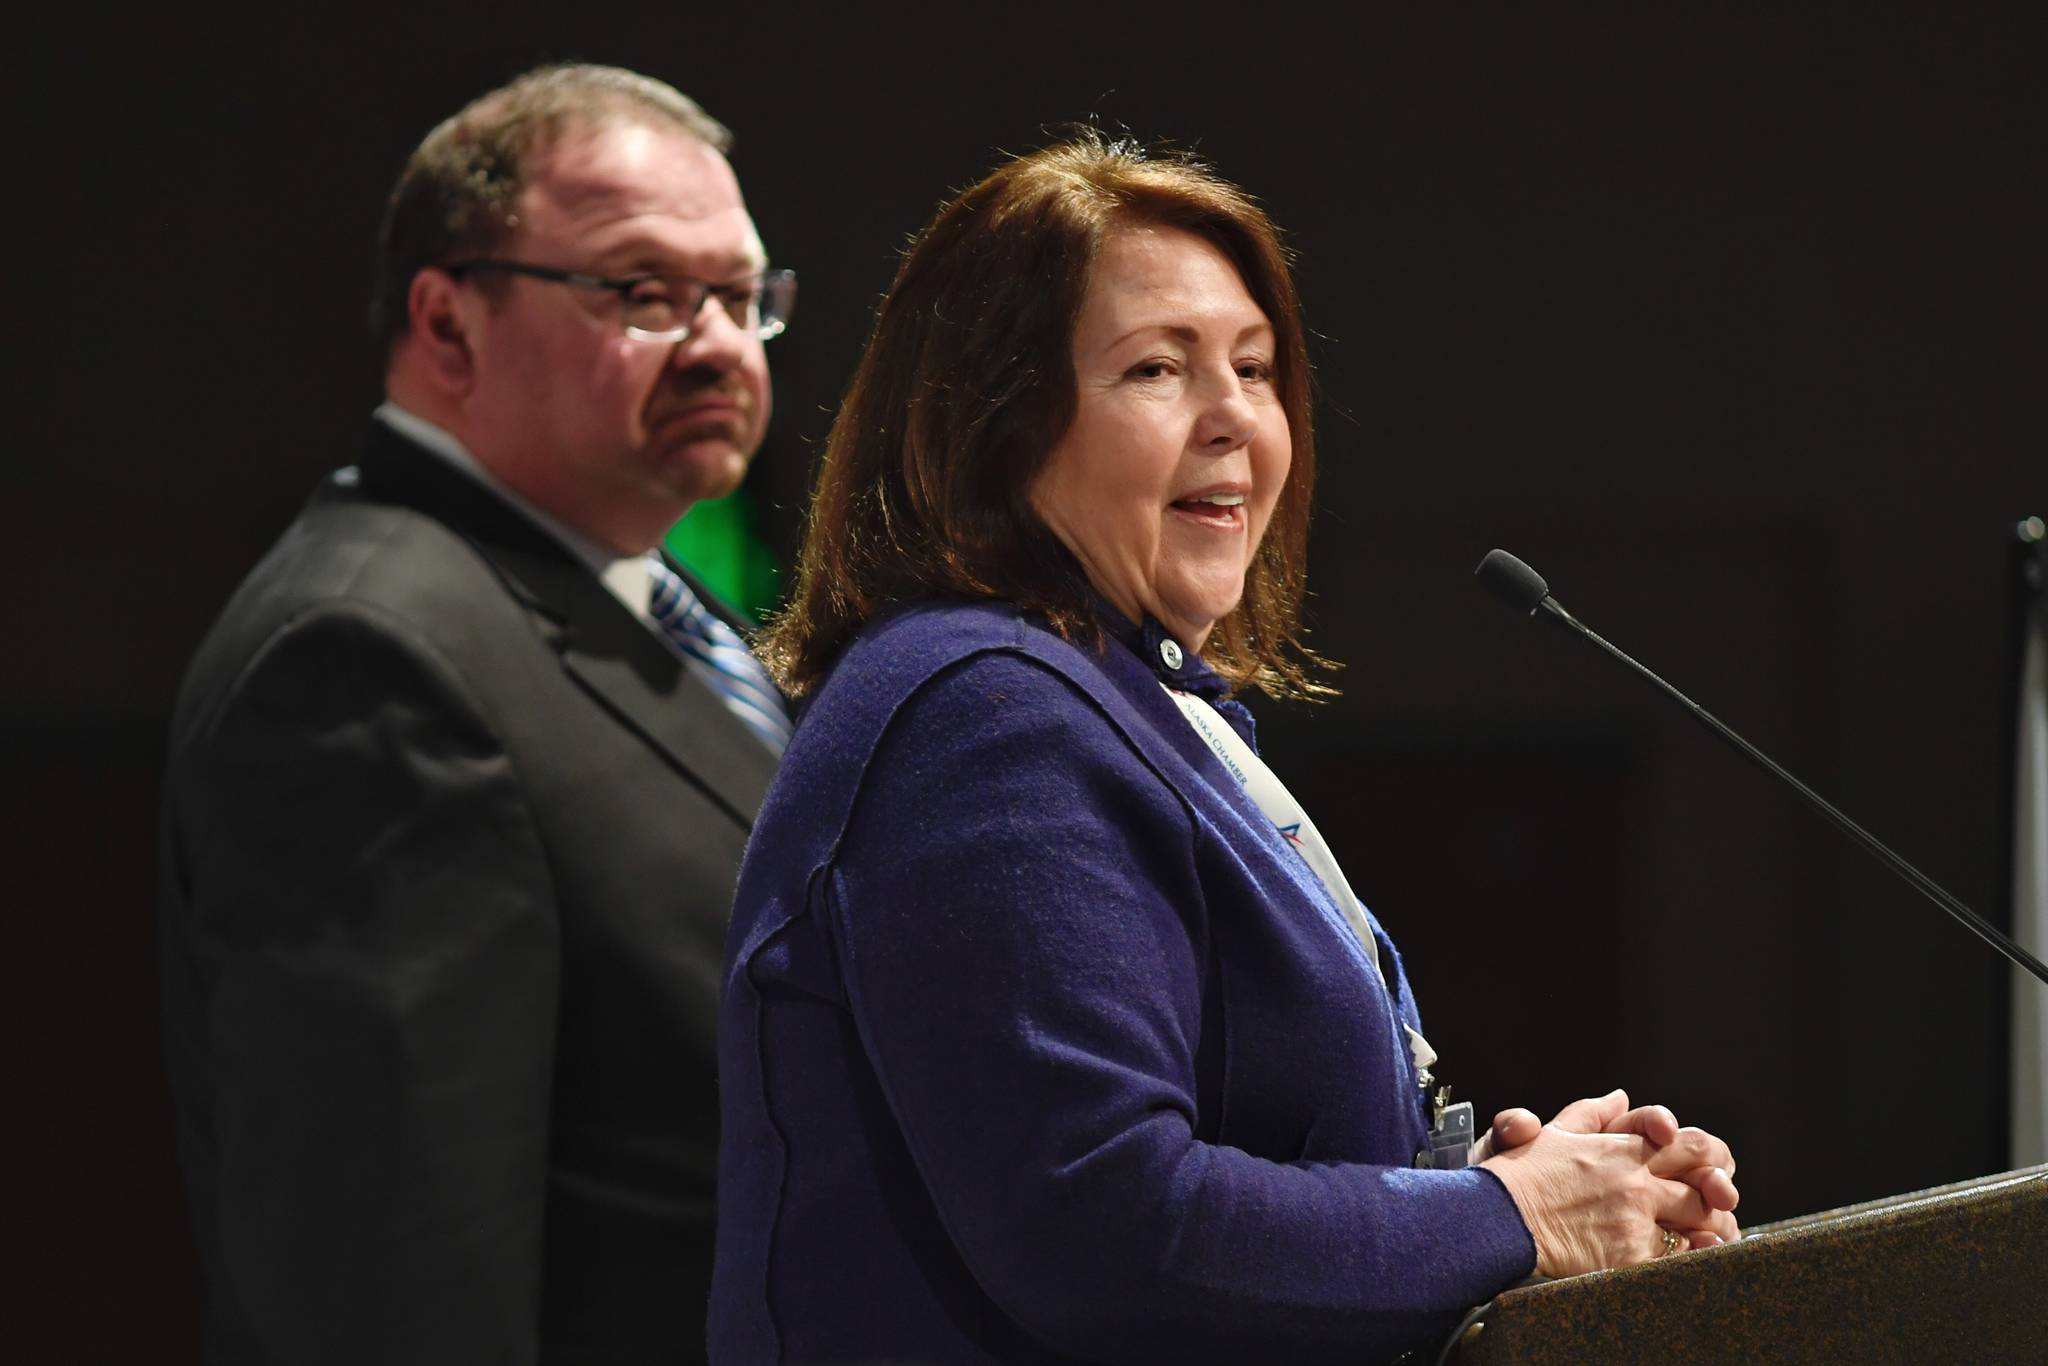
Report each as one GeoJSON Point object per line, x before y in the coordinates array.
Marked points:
{"type": "Point", "coordinates": [1693, 1156]}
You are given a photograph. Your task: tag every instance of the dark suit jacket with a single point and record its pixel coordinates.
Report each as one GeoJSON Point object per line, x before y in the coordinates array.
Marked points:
{"type": "Point", "coordinates": [449, 845]}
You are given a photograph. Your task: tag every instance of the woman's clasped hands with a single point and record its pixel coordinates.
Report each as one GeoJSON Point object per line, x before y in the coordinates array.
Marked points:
{"type": "Point", "coordinates": [1604, 1185]}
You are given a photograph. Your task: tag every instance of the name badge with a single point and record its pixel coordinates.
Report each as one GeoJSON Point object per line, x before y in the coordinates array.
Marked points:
{"type": "Point", "coordinates": [1450, 1139]}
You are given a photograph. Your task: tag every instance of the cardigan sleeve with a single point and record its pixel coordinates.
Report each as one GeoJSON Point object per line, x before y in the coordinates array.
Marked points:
{"type": "Point", "coordinates": [1020, 926]}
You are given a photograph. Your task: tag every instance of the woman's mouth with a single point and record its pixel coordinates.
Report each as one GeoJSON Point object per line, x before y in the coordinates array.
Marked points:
{"type": "Point", "coordinates": [1223, 511]}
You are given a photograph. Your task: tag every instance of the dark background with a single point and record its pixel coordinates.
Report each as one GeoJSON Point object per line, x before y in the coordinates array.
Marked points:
{"type": "Point", "coordinates": [1731, 328]}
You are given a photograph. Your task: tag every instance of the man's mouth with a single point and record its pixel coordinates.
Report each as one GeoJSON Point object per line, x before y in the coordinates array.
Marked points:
{"type": "Point", "coordinates": [718, 410]}
{"type": "Point", "coordinates": [710, 404]}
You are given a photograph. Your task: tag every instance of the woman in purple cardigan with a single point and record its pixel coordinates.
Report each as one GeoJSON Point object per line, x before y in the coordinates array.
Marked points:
{"type": "Point", "coordinates": [1051, 1032]}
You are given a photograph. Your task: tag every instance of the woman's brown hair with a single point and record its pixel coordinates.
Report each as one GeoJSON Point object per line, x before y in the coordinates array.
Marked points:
{"type": "Point", "coordinates": [968, 383]}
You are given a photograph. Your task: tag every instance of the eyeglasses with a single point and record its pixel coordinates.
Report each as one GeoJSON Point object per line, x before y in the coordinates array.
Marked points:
{"type": "Point", "coordinates": [663, 308]}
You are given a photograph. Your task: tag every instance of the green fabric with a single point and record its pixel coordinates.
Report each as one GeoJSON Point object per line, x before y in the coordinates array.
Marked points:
{"type": "Point", "coordinates": [720, 543]}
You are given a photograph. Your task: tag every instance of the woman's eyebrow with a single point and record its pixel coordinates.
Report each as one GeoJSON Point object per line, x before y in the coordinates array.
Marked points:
{"type": "Point", "coordinates": [1181, 332]}
{"type": "Point", "coordinates": [1178, 331]}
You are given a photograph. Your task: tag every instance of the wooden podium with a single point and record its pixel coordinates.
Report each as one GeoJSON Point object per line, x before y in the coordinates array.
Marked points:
{"type": "Point", "coordinates": [1954, 1274]}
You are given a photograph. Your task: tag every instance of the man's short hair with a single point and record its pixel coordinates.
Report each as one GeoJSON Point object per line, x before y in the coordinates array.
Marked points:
{"type": "Point", "coordinates": [454, 198]}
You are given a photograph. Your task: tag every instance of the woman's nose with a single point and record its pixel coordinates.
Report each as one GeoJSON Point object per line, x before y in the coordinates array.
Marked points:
{"type": "Point", "coordinates": [1228, 420]}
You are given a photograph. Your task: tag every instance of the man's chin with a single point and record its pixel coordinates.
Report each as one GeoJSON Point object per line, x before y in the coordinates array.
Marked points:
{"type": "Point", "coordinates": [704, 469]}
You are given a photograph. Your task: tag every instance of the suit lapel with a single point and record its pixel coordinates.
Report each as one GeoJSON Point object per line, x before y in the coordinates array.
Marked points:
{"type": "Point", "coordinates": [611, 653]}
{"type": "Point", "coordinates": [651, 689]}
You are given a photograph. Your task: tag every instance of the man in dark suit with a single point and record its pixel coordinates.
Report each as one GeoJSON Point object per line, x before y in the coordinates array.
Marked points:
{"type": "Point", "coordinates": [456, 795]}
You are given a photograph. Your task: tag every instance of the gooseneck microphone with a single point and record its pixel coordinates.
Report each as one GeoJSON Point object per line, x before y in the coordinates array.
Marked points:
{"type": "Point", "coordinates": [1523, 589]}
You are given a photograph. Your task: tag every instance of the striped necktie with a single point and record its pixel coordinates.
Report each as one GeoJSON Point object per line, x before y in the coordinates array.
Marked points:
{"type": "Point", "coordinates": [729, 666]}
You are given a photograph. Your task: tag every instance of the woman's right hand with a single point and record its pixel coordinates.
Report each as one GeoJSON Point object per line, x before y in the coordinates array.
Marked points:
{"type": "Point", "coordinates": [1594, 1200]}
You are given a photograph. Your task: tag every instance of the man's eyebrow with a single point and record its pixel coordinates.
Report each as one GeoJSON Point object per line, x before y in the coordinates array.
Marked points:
{"type": "Point", "coordinates": [642, 257]}
{"type": "Point", "coordinates": [740, 274]}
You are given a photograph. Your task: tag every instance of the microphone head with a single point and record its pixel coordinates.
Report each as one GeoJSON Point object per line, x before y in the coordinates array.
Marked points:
{"type": "Point", "coordinates": [1513, 582]}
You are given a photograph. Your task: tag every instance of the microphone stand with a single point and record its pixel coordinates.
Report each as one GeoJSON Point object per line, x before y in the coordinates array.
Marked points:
{"type": "Point", "coordinates": [1516, 583]}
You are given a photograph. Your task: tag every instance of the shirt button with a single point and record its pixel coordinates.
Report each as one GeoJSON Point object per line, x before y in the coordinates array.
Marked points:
{"type": "Point", "coordinates": [1169, 653]}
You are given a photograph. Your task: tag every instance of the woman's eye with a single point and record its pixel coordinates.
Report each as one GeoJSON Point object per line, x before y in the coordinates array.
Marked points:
{"type": "Point", "coordinates": [1256, 370]}
{"type": "Point", "coordinates": [1151, 369]}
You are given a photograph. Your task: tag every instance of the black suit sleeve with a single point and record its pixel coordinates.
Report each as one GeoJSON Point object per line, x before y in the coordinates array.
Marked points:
{"type": "Point", "coordinates": [369, 931]}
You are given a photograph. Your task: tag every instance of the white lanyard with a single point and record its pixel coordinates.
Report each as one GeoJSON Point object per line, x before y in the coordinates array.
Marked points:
{"type": "Point", "coordinates": [1265, 789]}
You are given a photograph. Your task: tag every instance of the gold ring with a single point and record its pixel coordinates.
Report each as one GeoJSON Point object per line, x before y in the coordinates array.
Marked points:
{"type": "Point", "coordinates": [1672, 1242]}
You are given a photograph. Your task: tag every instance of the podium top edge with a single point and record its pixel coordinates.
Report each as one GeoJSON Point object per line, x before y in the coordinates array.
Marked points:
{"type": "Point", "coordinates": [1902, 1200]}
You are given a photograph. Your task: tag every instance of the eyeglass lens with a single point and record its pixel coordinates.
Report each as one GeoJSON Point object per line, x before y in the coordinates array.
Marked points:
{"type": "Point", "coordinates": [665, 309]}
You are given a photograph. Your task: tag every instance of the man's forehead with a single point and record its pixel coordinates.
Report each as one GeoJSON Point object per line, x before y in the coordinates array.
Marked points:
{"type": "Point", "coordinates": [619, 170]}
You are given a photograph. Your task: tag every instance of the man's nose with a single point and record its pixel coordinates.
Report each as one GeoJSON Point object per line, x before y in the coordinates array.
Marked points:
{"type": "Point", "coordinates": [715, 340]}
